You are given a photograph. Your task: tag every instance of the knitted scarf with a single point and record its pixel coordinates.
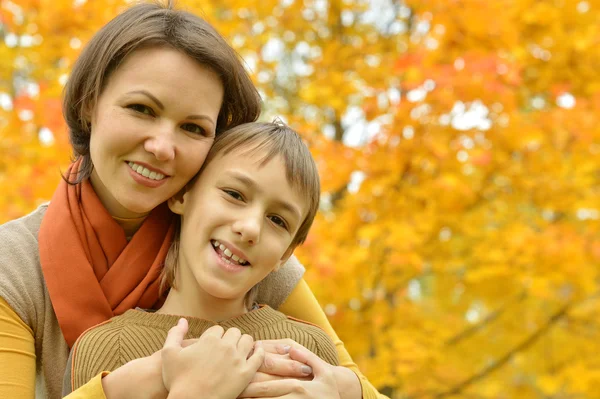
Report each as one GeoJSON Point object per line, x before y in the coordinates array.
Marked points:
{"type": "Point", "coordinates": [92, 272]}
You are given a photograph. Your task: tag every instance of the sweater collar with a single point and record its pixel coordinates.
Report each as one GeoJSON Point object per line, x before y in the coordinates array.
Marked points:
{"type": "Point", "coordinates": [247, 323]}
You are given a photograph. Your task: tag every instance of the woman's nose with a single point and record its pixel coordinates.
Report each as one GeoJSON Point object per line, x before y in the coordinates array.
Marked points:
{"type": "Point", "coordinates": [162, 145]}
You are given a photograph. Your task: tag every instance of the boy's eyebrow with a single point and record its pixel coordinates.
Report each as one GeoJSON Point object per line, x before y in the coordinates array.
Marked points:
{"type": "Point", "coordinates": [162, 107]}
{"type": "Point", "coordinates": [244, 179]}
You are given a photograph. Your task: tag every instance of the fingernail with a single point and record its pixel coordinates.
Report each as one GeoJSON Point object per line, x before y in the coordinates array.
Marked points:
{"type": "Point", "coordinates": [306, 370]}
{"type": "Point", "coordinates": [286, 349]}
{"type": "Point", "coordinates": [181, 321]}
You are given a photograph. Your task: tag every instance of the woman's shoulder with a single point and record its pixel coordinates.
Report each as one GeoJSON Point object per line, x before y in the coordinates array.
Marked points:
{"type": "Point", "coordinates": [278, 285]}
{"type": "Point", "coordinates": [26, 226]}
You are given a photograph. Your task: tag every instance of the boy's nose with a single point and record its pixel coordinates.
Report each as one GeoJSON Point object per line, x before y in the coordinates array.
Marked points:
{"type": "Point", "coordinates": [248, 229]}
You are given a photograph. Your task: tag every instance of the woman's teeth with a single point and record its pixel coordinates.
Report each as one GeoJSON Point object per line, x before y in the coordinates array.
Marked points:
{"type": "Point", "coordinates": [145, 171]}
{"type": "Point", "coordinates": [228, 253]}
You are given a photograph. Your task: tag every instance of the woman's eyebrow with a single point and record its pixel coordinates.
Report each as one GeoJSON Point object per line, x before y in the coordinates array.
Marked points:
{"type": "Point", "coordinates": [162, 107]}
{"type": "Point", "coordinates": [150, 96]}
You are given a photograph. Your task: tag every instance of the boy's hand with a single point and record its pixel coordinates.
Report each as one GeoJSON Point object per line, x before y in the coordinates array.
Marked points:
{"type": "Point", "coordinates": [217, 365]}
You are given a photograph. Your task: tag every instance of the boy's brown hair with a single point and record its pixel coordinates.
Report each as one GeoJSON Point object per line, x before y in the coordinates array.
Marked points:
{"type": "Point", "coordinates": [269, 140]}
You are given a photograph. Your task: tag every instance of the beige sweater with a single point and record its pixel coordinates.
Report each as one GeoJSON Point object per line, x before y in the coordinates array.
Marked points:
{"type": "Point", "coordinates": [137, 333]}
{"type": "Point", "coordinates": [22, 286]}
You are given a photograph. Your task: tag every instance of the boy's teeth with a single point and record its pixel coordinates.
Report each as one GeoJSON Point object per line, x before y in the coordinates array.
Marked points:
{"type": "Point", "coordinates": [227, 252]}
{"type": "Point", "coordinates": [145, 171]}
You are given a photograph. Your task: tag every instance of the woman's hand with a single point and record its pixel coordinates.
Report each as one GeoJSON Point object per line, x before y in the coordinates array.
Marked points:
{"type": "Point", "coordinates": [322, 385]}
{"type": "Point", "coordinates": [278, 364]}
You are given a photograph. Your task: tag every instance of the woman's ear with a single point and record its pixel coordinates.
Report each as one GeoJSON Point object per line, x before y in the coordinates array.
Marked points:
{"type": "Point", "coordinates": [177, 202]}
{"type": "Point", "coordinates": [87, 112]}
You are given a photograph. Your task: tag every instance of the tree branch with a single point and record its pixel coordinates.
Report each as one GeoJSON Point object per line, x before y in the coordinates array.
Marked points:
{"type": "Point", "coordinates": [487, 320]}
{"type": "Point", "coordinates": [558, 315]}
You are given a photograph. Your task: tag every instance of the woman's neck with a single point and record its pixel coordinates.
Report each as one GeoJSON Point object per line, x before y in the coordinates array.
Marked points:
{"type": "Point", "coordinates": [130, 226]}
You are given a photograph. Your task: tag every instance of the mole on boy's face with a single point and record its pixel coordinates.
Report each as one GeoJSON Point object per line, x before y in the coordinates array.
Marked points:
{"type": "Point", "coordinates": [239, 219]}
{"type": "Point", "coordinates": [152, 128]}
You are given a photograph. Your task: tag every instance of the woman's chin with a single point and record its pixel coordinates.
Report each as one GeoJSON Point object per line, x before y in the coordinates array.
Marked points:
{"type": "Point", "coordinates": [135, 209]}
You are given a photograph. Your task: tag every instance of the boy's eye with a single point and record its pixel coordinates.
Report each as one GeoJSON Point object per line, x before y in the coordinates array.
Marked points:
{"type": "Point", "coordinates": [278, 221]}
{"type": "Point", "coordinates": [196, 129]}
{"type": "Point", "coordinates": [142, 109]}
{"type": "Point", "coordinates": [234, 194]}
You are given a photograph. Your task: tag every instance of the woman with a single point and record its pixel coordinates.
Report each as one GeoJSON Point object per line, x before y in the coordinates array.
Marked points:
{"type": "Point", "coordinates": [143, 104]}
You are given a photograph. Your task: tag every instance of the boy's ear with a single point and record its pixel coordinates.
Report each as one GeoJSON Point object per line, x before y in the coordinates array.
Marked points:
{"type": "Point", "coordinates": [177, 202]}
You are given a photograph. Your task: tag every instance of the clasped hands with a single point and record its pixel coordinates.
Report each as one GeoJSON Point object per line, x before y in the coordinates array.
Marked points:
{"type": "Point", "coordinates": [223, 365]}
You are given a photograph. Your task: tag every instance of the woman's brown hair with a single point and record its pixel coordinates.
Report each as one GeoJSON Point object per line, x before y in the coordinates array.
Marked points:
{"type": "Point", "coordinates": [147, 25]}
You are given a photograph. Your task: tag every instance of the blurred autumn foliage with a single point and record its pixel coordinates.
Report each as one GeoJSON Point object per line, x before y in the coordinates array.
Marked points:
{"type": "Point", "coordinates": [457, 252]}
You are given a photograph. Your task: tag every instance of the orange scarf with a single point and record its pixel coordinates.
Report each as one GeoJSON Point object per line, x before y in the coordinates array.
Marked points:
{"type": "Point", "coordinates": [91, 271]}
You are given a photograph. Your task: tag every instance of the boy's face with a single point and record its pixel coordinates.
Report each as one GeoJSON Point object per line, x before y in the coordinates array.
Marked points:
{"type": "Point", "coordinates": [239, 219]}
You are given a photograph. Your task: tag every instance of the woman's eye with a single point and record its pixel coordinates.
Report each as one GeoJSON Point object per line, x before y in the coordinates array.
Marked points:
{"type": "Point", "coordinates": [193, 128]}
{"type": "Point", "coordinates": [234, 194]}
{"type": "Point", "coordinates": [279, 221]}
{"type": "Point", "coordinates": [142, 109]}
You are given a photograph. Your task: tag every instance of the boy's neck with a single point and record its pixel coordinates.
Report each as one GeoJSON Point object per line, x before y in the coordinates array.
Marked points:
{"type": "Point", "coordinates": [196, 303]}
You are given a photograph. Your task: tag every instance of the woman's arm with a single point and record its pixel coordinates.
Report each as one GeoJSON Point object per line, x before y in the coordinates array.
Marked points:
{"type": "Point", "coordinates": [17, 355]}
{"type": "Point", "coordinates": [303, 305]}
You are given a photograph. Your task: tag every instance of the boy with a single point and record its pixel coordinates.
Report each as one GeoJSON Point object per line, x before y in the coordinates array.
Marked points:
{"type": "Point", "coordinates": [251, 204]}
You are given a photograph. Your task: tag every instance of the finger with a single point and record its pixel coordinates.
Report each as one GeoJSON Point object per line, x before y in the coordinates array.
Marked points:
{"type": "Point", "coordinates": [232, 336]}
{"type": "Point", "coordinates": [245, 344]}
{"type": "Point", "coordinates": [284, 366]}
{"type": "Point", "coordinates": [176, 334]}
{"type": "Point", "coordinates": [318, 365]}
{"type": "Point", "coordinates": [260, 377]}
{"type": "Point", "coordinates": [214, 331]}
{"type": "Point", "coordinates": [257, 358]}
{"type": "Point", "coordinates": [281, 346]}
{"type": "Point", "coordinates": [272, 389]}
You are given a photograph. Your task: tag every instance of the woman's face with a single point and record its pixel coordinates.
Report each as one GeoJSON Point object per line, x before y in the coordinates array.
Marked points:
{"type": "Point", "coordinates": [151, 129]}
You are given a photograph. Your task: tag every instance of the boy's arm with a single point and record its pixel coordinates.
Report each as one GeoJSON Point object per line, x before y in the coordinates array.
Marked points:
{"type": "Point", "coordinates": [302, 304]}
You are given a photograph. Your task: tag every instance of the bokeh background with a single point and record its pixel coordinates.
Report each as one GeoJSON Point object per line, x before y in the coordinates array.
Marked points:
{"type": "Point", "coordinates": [457, 251]}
